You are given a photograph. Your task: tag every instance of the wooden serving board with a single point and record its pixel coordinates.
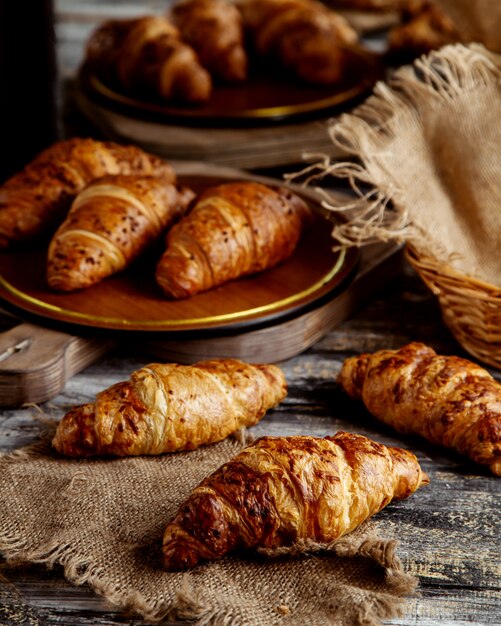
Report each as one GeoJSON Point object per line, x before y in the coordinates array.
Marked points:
{"type": "Point", "coordinates": [264, 318]}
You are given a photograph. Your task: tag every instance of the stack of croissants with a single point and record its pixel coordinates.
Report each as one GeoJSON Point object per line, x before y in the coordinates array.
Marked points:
{"type": "Point", "coordinates": [103, 204]}
{"type": "Point", "coordinates": [179, 56]}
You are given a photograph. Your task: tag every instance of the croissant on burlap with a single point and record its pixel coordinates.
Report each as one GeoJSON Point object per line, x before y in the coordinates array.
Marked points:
{"type": "Point", "coordinates": [284, 491]}
{"type": "Point", "coordinates": [170, 407]}
{"type": "Point", "coordinates": [214, 29]}
{"type": "Point", "coordinates": [110, 223]}
{"type": "Point", "coordinates": [448, 400]}
{"type": "Point", "coordinates": [147, 54]}
{"type": "Point", "coordinates": [304, 36]}
{"type": "Point", "coordinates": [234, 229]}
{"type": "Point", "coordinates": [34, 201]}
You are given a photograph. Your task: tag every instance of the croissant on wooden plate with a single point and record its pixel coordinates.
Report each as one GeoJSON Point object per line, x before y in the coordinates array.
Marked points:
{"type": "Point", "coordinates": [34, 201]}
{"type": "Point", "coordinates": [170, 407]}
{"type": "Point", "coordinates": [214, 29]}
{"type": "Point", "coordinates": [284, 490]}
{"type": "Point", "coordinates": [146, 54]}
{"type": "Point", "coordinates": [448, 400]}
{"type": "Point", "coordinates": [110, 223]}
{"type": "Point", "coordinates": [304, 36]}
{"type": "Point", "coordinates": [234, 229]}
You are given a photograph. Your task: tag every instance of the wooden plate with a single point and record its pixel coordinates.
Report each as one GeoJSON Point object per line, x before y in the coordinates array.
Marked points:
{"type": "Point", "coordinates": [132, 301]}
{"type": "Point", "coordinates": [267, 96]}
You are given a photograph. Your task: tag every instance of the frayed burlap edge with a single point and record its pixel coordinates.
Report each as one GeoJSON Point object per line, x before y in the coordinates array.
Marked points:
{"type": "Point", "coordinates": [432, 79]}
{"type": "Point", "coordinates": [188, 603]}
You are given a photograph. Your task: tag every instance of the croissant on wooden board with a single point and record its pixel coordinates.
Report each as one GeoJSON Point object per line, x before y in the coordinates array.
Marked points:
{"type": "Point", "coordinates": [284, 490]}
{"type": "Point", "coordinates": [170, 407]}
{"type": "Point", "coordinates": [214, 29]}
{"type": "Point", "coordinates": [450, 401]}
{"type": "Point", "coordinates": [234, 229]}
{"type": "Point", "coordinates": [305, 37]}
{"type": "Point", "coordinates": [146, 54]}
{"type": "Point", "coordinates": [34, 201]}
{"type": "Point", "coordinates": [110, 223]}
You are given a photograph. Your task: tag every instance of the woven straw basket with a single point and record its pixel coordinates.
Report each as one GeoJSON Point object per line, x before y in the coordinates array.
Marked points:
{"type": "Point", "coordinates": [471, 308]}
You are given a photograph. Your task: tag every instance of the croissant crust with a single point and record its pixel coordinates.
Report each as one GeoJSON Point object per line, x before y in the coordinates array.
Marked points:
{"type": "Point", "coordinates": [282, 490]}
{"type": "Point", "coordinates": [169, 407]}
{"type": "Point", "coordinates": [234, 230]}
{"type": "Point", "coordinates": [34, 201]}
{"type": "Point", "coordinates": [450, 401]}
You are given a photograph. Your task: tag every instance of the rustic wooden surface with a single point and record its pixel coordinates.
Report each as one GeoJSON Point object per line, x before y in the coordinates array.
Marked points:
{"type": "Point", "coordinates": [448, 532]}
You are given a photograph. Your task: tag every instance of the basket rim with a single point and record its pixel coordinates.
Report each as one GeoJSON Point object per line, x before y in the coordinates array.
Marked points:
{"type": "Point", "coordinates": [430, 264]}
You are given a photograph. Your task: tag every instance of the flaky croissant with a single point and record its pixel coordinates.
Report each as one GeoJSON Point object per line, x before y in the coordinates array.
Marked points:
{"type": "Point", "coordinates": [284, 490]}
{"type": "Point", "coordinates": [164, 408]}
{"type": "Point", "coordinates": [306, 37]}
{"type": "Point", "coordinates": [147, 55]}
{"type": "Point", "coordinates": [34, 201]}
{"type": "Point", "coordinates": [448, 400]}
{"type": "Point", "coordinates": [110, 223]}
{"type": "Point", "coordinates": [234, 229]}
{"type": "Point", "coordinates": [214, 29]}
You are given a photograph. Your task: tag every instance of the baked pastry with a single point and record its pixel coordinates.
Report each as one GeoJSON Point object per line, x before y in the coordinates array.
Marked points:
{"type": "Point", "coordinates": [234, 229]}
{"type": "Point", "coordinates": [110, 223]}
{"type": "Point", "coordinates": [147, 55]}
{"type": "Point", "coordinates": [165, 408]}
{"type": "Point", "coordinates": [214, 29]}
{"type": "Point", "coordinates": [34, 201]}
{"type": "Point", "coordinates": [304, 36]}
{"type": "Point", "coordinates": [448, 400]}
{"type": "Point", "coordinates": [281, 491]}
{"type": "Point", "coordinates": [424, 27]}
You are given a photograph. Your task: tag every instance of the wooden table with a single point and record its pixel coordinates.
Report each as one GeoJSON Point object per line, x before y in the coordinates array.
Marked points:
{"type": "Point", "coordinates": [449, 533]}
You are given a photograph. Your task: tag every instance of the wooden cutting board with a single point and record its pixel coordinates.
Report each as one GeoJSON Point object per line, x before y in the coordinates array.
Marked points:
{"type": "Point", "coordinates": [264, 318]}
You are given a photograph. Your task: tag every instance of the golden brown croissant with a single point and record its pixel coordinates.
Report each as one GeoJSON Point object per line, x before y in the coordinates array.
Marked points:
{"type": "Point", "coordinates": [305, 36]}
{"type": "Point", "coordinates": [284, 490]}
{"type": "Point", "coordinates": [234, 229]}
{"type": "Point", "coordinates": [146, 54]}
{"type": "Point", "coordinates": [164, 408]}
{"type": "Point", "coordinates": [424, 27]}
{"type": "Point", "coordinates": [34, 201]}
{"type": "Point", "coordinates": [110, 223]}
{"type": "Point", "coordinates": [448, 400]}
{"type": "Point", "coordinates": [214, 29]}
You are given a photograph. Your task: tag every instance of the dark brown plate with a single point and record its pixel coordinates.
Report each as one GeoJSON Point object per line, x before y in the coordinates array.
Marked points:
{"type": "Point", "coordinates": [132, 300]}
{"type": "Point", "coordinates": [267, 96]}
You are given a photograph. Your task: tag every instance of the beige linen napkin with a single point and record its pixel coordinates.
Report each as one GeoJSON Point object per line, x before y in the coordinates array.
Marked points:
{"type": "Point", "coordinates": [429, 171]}
{"type": "Point", "coordinates": [103, 521]}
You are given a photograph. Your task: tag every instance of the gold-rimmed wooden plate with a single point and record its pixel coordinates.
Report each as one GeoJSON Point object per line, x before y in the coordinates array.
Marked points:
{"type": "Point", "coordinates": [267, 96]}
{"type": "Point", "coordinates": [133, 301]}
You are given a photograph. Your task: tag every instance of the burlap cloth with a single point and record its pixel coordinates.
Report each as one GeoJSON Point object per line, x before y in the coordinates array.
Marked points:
{"type": "Point", "coordinates": [103, 521]}
{"type": "Point", "coordinates": [428, 145]}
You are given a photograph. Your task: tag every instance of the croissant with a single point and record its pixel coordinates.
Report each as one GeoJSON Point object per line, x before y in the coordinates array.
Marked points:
{"type": "Point", "coordinates": [448, 400]}
{"type": "Point", "coordinates": [34, 201]}
{"type": "Point", "coordinates": [164, 408]}
{"type": "Point", "coordinates": [424, 27]}
{"type": "Point", "coordinates": [147, 54]}
{"type": "Point", "coordinates": [234, 229]}
{"type": "Point", "coordinates": [305, 37]}
{"type": "Point", "coordinates": [284, 490]}
{"type": "Point", "coordinates": [110, 223]}
{"type": "Point", "coordinates": [214, 29]}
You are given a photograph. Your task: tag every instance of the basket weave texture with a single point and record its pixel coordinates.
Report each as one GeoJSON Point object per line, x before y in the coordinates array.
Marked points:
{"type": "Point", "coordinates": [470, 308]}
